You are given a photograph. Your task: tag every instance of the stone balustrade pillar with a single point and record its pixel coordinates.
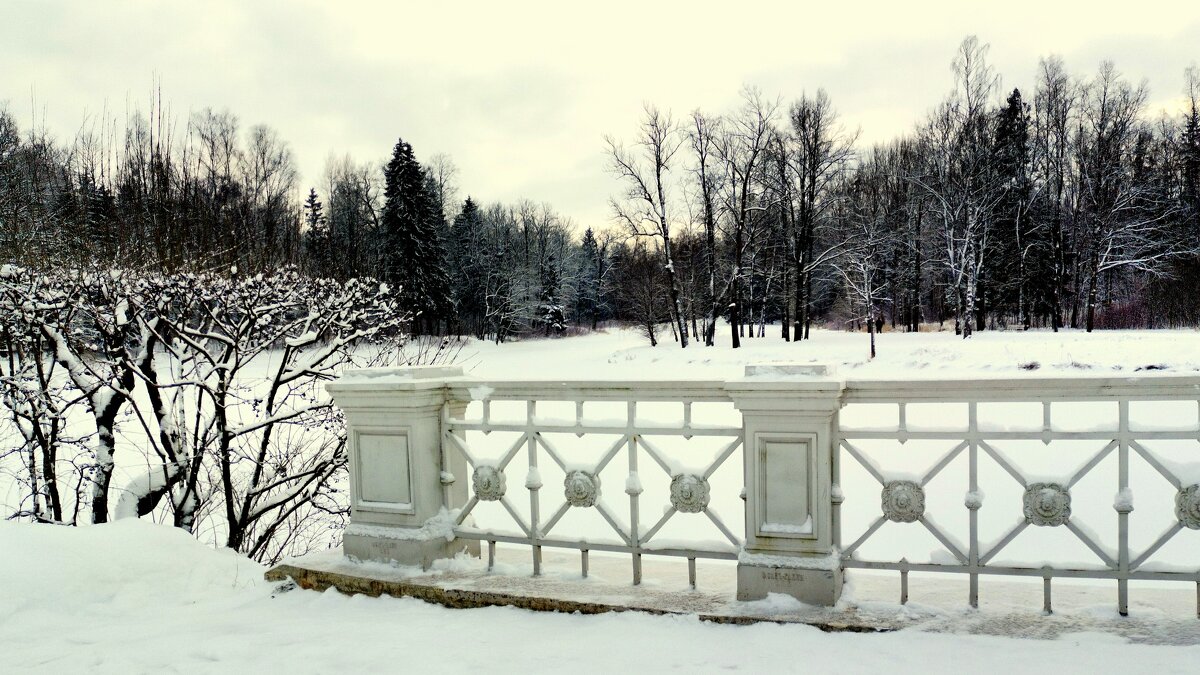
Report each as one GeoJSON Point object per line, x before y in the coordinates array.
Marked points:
{"type": "Point", "coordinates": [394, 429]}
{"type": "Point", "coordinates": [788, 416]}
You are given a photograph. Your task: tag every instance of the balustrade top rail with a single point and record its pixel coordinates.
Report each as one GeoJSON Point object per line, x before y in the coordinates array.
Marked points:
{"type": "Point", "coordinates": [590, 390]}
{"type": "Point", "coordinates": [1033, 388]}
{"type": "Point", "coordinates": [852, 389]}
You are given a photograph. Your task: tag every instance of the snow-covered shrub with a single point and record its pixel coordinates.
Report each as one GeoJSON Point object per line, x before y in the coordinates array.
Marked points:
{"type": "Point", "coordinates": [216, 377]}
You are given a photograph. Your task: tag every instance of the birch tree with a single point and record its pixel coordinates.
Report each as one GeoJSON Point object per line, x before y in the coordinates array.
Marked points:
{"type": "Point", "coordinates": [702, 138]}
{"type": "Point", "coordinates": [959, 178]}
{"type": "Point", "coordinates": [867, 236]}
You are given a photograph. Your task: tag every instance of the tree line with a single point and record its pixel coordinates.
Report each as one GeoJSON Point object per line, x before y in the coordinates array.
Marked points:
{"type": "Point", "coordinates": [1068, 205]}
{"type": "Point", "coordinates": [217, 197]}
{"type": "Point", "coordinates": [1065, 206]}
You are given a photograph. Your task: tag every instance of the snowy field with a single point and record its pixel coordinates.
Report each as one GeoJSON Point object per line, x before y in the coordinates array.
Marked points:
{"type": "Point", "coordinates": [625, 354]}
{"type": "Point", "coordinates": [134, 597]}
{"type": "Point", "coordinates": [141, 598]}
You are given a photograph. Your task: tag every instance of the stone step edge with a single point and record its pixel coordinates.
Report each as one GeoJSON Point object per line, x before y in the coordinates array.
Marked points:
{"type": "Point", "coordinates": [454, 598]}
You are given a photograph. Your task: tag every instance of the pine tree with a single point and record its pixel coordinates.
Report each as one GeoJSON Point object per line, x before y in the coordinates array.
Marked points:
{"type": "Point", "coordinates": [413, 256]}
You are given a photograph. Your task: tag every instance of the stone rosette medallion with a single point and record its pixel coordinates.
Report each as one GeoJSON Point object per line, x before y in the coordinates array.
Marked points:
{"type": "Point", "coordinates": [489, 483]}
{"type": "Point", "coordinates": [1187, 507]}
{"type": "Point", "coordinates": [581, 488]}
{"type": "Point", "coordinates": [689, 493]}
{"type": "Point", "coordinates": [1047, 504]}
{"type": "Point", "coordinates": [903, 501]}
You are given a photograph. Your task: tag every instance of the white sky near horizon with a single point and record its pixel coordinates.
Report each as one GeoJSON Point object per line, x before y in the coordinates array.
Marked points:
{"type": "Point", "coordinates": [520, 95]}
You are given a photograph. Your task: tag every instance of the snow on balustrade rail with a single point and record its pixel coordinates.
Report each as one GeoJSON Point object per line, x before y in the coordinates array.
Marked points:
{"type": "Point", "coordinates": [1044, 502]}
{"type": "Point", "coordinates": [1083, 388]}
{"type": "Point", "coordinates": [690, 487]}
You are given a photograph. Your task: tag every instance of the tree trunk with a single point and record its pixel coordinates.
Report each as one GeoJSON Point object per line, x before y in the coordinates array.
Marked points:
{"type": "Point", "coordinates": [710, 258]}
{"type": "Point", "coordinates": [102, 477]}
{"type": "Point", "coordinates": [969, 310]}
{"type": "Point", "coordinates": [871, 332]}
{"type": "Point", "coordinates": [789, 304]}
{"type": "Point", "coordinates": [735, 315]}
{"type": "Point", "coordinates": [801, 312]}
{"type": "Point", "coordinates": [673, 284]}
{"type": "Point", "coordinates": [915, 310]}
{"type": "Point", "coordinates": [808, 256]}
{"type": "Point", "coordinates": [1091, 304]}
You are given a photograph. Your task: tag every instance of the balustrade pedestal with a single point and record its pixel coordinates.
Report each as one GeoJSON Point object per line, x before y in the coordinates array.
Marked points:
{"type": "Point", "coordinates": [788, 414]}
{"type": "Point", "coordinates": [397, 478]}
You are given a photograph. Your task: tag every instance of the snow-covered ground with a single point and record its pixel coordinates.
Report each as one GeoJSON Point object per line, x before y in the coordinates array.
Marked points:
{"type": "Point", "coordinates": [137, 597]}
{"type": "Point", "coordinates": [625, 354]}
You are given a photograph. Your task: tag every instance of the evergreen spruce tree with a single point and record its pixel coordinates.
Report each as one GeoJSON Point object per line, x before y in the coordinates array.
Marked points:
{"type": "Point", "coordinates": [588, 298]}
{"type": "Point", "coordinates": [550, 310]}
{"type": "Point", "coordinates": [317, 240]}
{"type": "Point", "coordinates": [413, 256]}
{"type": "Point", "coordinates": [1024, 263]}
{"type": "Point", "coordinates": [466, 256]}
{"type": "Point", "coordinates": [1190, 152]}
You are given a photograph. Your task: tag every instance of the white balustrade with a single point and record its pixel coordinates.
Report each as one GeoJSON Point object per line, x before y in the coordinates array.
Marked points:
{"type": "Point", "coordinates": [1088, 416]}
{"type": "Point", "coordinates": [441, 462]}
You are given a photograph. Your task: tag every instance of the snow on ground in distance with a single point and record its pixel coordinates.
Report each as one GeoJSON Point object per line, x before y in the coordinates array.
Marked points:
{"type": "Point", "coordinates": [139, 597]}
{"type": "Point", "coordinates": [625, 354]}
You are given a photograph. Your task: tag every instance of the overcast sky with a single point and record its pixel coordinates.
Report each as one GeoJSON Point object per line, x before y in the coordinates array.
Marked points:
{"type": "Point", "coordinates": [521, 94]}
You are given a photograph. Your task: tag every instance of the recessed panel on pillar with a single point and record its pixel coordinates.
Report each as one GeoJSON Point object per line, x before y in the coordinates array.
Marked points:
{"type": "Point", "coordinates": [383, 471]}
{"type": "Point", "coordinates": [785, 474]}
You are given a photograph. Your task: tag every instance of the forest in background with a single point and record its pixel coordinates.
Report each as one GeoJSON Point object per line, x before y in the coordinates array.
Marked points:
{"type": "Point", "coordinates": [1070, 205]}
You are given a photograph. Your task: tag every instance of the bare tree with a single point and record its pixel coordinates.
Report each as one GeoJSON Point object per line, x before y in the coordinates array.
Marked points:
{"type": "Point", "coordinates": [1126, 220]}
{"type": "Point", "coordinates": [861, 261]}
{"type": "Point", "coordinates": [442, 174]}
{"type": "Point", "coordinates": [646, 207]}
{"type": "Point", "coordinates": [640, 291]}
{"type": "Point", "coordinates": [52, 463]}
{"type": "Point", "coordinates": [1054, 105]}
{"type": "Point", "coordinates": [268, 214]}
{"type": "Point", "coordinates": [353, 206]}
{"type": "Point", "coordinates": [740, 150]}
{"type": "Point", "coordinates": [822, 150]}
{"type": "Point", "coordinates": [702, 137]}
